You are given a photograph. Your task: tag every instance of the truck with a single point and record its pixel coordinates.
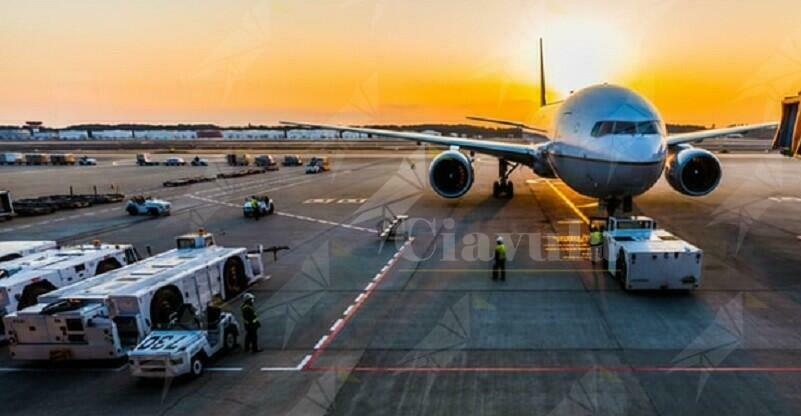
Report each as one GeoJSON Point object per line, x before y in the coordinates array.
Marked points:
{"type": "Point", "coordinates": [37, 159]}
{"type": "Point", "coordinates": [142, 205]}
{"type": "Point", "coordinates": [185, 345]}
{"type": "Point", "coordinates": [143, 159]}
{"type": "Point", "coordinates": [641, 256]}
{"type": "Point", "coordinates": [238, 159]}
{"type": "Point", "coordinates": [23, 280]}
{"type": "Point", "coordinates": [12, 158]}
{"type": "Point", "coordinates": [318, 165]}
{"type": "Point", "coordinates": [6, 205]}
{"type": "Point", "coordinates": [106, 316]}
{"type": "Point", "coordinates": [266, 161]}
{"type": "Point", "coordinates": [63, 159]}
{"type": "Point", "coordinates": [10, 250]}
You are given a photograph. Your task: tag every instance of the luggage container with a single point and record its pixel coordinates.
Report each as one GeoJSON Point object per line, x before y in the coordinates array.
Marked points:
{"type": "Point", "coordinates": [6, 205]}
{"type": "Point", "coordinates": [10, 158]}
{"type": "Point", "coordinates": [63, 159]}
{"type": "Point", "coordinates": [242, 159]}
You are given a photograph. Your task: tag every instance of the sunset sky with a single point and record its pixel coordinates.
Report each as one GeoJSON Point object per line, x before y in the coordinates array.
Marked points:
{"type": "Point", "coordinates": [361, 61]}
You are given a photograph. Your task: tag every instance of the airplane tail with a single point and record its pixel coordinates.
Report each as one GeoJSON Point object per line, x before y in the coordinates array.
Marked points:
{"type": "Point", "coordinates": [543, 101]}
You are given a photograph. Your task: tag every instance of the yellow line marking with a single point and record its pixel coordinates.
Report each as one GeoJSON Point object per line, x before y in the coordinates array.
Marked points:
{"type": "Point", "coordinates": [569, 203]}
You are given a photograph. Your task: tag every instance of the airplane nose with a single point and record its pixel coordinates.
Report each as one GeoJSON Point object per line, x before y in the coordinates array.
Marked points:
{"type": "Point", "coordinates": [641, 148]}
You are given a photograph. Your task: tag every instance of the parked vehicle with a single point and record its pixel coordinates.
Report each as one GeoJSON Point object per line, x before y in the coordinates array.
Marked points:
{"type": "Point", "coordinates": [197, 161]}
{"type": "Point", "coordinates": [266, 161]}
{"type": "Point", "coordinates": [318, 165]}
{"type": "Point", "coordinates": [242, 159]}
{"type": "Point", "coordinates": [11, 158]}
{"type": "Point", "coordinates": [106, 316]}
{"type": "Point", "coordinates": [143, 159]}
{"type": "Point", "coordinates": [64, 159]}
{"type": "Point", "coordinates": [6, 205]}
{"type": "Point", "coordinates": [87, 161]}
{"type": "Point", "coordinates": [37, 159]}
{"type": "Point", "coordinates": [10, 250]}
{"type": "Point", "coordinates": [140, 205]}
{"type": "Point", "coordinates": [175, 161]}
{"type": "Point", "coordinates": [292, 160]}
{"type": "Point", "coordinates": [186, 344]}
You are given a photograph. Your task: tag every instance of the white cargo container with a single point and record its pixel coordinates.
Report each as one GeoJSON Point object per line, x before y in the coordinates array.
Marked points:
{"type": "Point", "coordinates": [104, 317]}
{"type": "Point", "coordinates": [10, 250]}
{"type": "Point", "coordinates": [642, 256]}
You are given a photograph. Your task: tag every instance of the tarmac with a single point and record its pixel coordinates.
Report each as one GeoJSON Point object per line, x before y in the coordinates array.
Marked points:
{"type": "Point", "coordinates": [354, 325]}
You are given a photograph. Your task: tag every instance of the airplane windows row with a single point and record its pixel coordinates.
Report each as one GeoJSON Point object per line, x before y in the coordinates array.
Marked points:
{"type": "Point", "coordinates": [604, 128]}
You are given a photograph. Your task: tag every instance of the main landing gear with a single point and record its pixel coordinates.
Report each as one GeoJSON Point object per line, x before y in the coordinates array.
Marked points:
{"type": "Point", "coordinates": [503, 187]}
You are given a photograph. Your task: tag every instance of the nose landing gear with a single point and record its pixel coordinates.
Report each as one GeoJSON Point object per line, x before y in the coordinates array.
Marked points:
{"type": "Point", "coordinates": [612, 205]}
{"type": "Point", "coordinates": [503, 187]}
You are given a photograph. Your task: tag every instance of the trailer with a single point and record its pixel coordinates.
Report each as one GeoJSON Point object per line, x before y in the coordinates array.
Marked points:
{"type": "Point", "coordinates": [10, 250]}
{"type": "Point", "coordinates": [641, 256]}
{"type": "Point", "coordinates": [23, 280]}
{"type": "Point", "coordinates": [106, 316]}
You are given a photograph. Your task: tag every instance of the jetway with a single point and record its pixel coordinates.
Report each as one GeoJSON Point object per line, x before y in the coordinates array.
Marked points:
{"type": "Point", "coordinates": [788, 135]}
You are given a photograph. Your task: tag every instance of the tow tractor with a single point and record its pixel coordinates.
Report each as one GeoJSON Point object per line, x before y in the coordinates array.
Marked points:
{"type": "Point", "coordinates": [185, 344]}
{"type": "Point", "coordinates": [642, 256]}
{"type": "Point", "coordinates": [141, 205]}
{"type": "Point", "coordinates": [264, 206]}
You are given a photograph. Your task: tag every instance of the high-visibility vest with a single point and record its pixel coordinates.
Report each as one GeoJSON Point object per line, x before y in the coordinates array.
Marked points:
{"type": "Point", "coordinates": [500, 252]}
{"type": "Point", "coordinates": [596, 238]}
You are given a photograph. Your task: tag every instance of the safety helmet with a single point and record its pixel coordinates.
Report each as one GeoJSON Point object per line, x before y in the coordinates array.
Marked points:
{"type": "Point", "coordinates": [249, 297]}
{"type": "Point", "coordinates": [499, 240]}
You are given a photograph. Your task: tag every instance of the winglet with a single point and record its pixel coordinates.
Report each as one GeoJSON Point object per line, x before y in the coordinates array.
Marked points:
{"type": "Point", "coordinates": [543, 101]}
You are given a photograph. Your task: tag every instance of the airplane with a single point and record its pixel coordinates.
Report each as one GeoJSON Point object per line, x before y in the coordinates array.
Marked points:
{"type": "Point", "coordinates": [603, 141]}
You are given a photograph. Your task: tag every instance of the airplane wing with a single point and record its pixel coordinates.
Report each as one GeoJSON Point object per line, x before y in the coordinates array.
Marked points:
{"type": "Point", "coordinates": [540, 135]}
{"type": "Point", "coordinates": [511, 151]}
{"type": "Point", "coordinates": [698, 136]}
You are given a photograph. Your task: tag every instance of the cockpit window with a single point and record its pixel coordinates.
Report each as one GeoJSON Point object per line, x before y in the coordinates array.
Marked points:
{"type": "Point", "coordinates": [603, 128]}
{"type": "Point", "coordinates": [625, 127]}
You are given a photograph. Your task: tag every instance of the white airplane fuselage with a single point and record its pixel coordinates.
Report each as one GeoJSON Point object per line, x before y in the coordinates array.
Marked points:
{"type": "Point", "coordinates": [607, 142]}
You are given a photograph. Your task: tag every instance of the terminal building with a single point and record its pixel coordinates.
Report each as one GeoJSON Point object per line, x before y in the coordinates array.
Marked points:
{"type": "Point", "coordinates": [788, 135]}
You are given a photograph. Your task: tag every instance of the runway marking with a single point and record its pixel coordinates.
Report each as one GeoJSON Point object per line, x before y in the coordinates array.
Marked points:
{"type": "Point", "coordinates": [317, 220]}
{"type": "Point", "coordinates": [298, 367]}
{"type": "Point", "coordinates": [568, 270]}
{"type": "Point", "coordinates": [578, 369]}
{"type": "Point", "coordinates": [350, 312]}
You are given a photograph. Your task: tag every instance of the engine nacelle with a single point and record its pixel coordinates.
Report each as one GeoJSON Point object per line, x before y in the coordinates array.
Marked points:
{"type": "Point", "coordinates": [693, 171]}
{"type": "Point", "coordinates": [451, 174]}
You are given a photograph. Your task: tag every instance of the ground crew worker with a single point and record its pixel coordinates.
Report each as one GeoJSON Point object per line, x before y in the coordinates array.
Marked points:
{"type": "Point", "coordinates": [251, 324]}
{"type": "Point", "coordinates": [499, 264]}
{"type": "Point", "coordinates": [596, 239]}
{"type": "Point", "coordinates": [254, 207]}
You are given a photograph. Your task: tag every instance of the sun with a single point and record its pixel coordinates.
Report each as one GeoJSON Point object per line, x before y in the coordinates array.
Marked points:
{"type": "Point", "coordinates": [582, 51]}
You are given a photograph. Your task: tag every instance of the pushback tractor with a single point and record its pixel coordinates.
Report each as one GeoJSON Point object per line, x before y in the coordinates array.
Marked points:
{"type": "Point", "coordinates": [106, 316]}
{"type": "Point", "coordinates": [642, 256]}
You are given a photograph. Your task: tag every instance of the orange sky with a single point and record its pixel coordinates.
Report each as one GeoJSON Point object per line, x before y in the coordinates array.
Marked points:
{"type": "Point", "coordinates": [363, 61]}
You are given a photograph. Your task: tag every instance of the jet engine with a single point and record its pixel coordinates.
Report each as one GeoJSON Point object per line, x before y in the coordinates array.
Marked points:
{"type": "Point", "coordinates": [451, 174]}
{"type": "Point", "coordinates": [693, 171]}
